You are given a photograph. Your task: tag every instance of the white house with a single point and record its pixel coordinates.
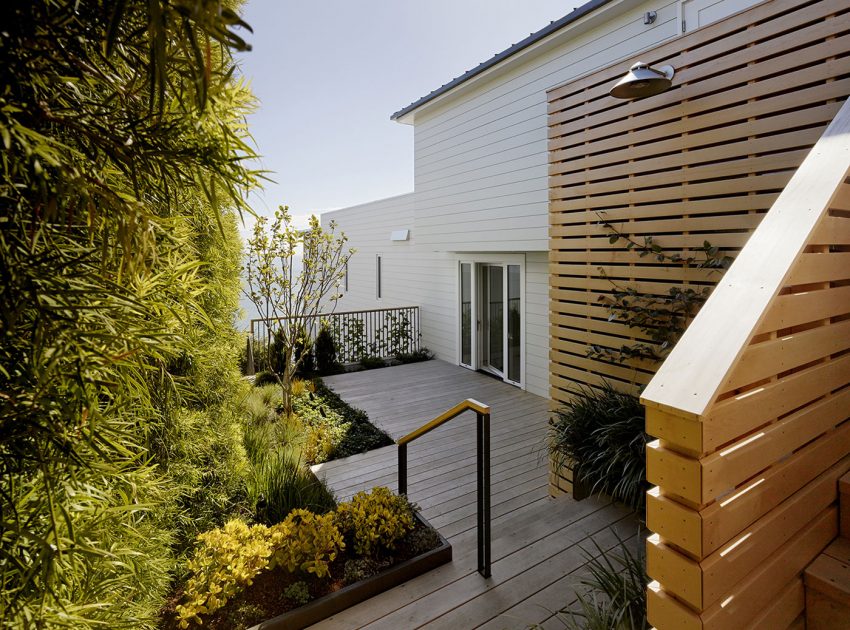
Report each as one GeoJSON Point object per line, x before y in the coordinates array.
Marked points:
{"type": "Point", "coordinates": [470, 244]}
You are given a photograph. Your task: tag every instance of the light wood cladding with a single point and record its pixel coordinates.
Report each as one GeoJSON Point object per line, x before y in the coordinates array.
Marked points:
{"type": "Point", "coordinates": [749, 150]}
{"type": "Point", "coordinates": [701, 162]}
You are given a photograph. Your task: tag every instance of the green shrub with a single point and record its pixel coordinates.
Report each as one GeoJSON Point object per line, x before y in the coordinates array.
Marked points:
{"type": "Point", "coordinates": [260, 351]}
{"type": "Point", "coordinates": [372, 363]}
{"type": "Point", "coordinates": [360, 436]}
{"type": "Point", "coordinates": [262, 379]}
{"type": "Point", "coordinates": [306, 542]}
{"type": "Point", "coordinates": [297, 592]}
{"type": "Point", "coordinates": [374, 522]}
{"type": "Point", "coordinates": [226, 560]}
{"type": "Point", "coordinates": [277, 353]}
{"type": "Point", "coordinates": [321, 435]}
{"type": "Point", "coordinates": [417, 356]}
{"type": "Point", "coordinates": [280, 484]}
{"type": "Point", "coordinates": [357, 569]}
{"type": "Point", "coordinates": [304, 351]}
{"type": "Point", "coordinates": [615, 593]}
{"type": "Point", "coordinates": [422, 539]}
{"type": "Point", "coordinates": [325, 351]}
{"type": "Point", "coordinates": [601, 430]}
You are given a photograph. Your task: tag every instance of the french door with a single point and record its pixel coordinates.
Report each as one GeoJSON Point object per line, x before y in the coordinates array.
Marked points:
{"type": "Point", "coordinates": [491, 319]}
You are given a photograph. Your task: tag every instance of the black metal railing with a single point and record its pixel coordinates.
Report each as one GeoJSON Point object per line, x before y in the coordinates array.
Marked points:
{"type": "Point", "coordinates": [382, 333]}
{"type": "Point", "coordinates": [482, 448]}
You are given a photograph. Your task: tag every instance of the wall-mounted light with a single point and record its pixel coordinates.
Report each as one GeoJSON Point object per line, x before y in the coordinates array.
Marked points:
{"type": "Point", "coordinates": [642, 81]}
{"type": "Point", "coordinates": [649, 17]}
{"type": "Point", "coordinates": [400, 235]}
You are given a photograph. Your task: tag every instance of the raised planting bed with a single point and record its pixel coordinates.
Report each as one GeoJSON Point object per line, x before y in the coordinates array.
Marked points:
{"type": "Point", "coordinates": [280, 598]}
{"type": "Point", "coordinates": [348, 596]}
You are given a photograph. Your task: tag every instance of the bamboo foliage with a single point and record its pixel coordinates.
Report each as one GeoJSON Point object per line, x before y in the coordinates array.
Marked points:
{"type": "Point", "coordinates": [123, 136]}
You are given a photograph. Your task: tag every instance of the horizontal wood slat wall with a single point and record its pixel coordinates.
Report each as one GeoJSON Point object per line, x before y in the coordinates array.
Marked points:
{"type": "Point", "coordinates": [752, 408]}
{"type": "Point", "coordinates": [746, 494]}
{"type": "Point", "coordinates": [701, 162]}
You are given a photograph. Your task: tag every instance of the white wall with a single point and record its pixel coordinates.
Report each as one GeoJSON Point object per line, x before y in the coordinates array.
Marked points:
{"type": "Point", "coordinates": [414, 274]}
{"type": "Point", "coordinates": [480, 159]}
{"type": "Point", "coordinates": [481, 182]}
{"type": "Point", "coordinates": [411, 274]}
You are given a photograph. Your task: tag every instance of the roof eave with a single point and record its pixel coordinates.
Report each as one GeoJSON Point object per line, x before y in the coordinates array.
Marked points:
{"type": "Point", "coordinates": [405, 115]}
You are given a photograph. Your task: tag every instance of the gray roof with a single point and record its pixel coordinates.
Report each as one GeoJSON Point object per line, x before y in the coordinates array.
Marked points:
{"type": "Point", "coordinates": [580, 12]}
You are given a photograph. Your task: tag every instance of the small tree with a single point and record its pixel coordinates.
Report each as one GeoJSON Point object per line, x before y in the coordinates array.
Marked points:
{"type": "Point", "coordinates": [290, 293]}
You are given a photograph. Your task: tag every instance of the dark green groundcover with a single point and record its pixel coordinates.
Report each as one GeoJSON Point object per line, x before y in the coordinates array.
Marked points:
{"type": "Point", "coordinates": [362, 436]}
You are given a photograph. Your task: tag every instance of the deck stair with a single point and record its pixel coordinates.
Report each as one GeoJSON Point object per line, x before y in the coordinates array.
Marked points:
{"type": "Point", "coordinates": [539, 544]}
{"type": "Point", "coordinates": [827, 579]}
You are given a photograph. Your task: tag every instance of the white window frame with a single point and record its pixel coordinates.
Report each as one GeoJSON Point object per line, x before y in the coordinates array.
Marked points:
{"type": "Point", "coordinates": [476, 260]}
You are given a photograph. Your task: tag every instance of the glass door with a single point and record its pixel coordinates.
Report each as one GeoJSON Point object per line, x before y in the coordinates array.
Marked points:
{"type": "Point", "coordinates": [490, 317]}
{"type": "Point", "coordinates": [513, 324]}
{"type": "Point", "coordinates": [467, 331]}
{"type": "Point", "coordinates": [493, 359]}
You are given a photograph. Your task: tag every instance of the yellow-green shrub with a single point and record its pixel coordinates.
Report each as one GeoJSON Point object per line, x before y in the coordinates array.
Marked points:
{"type": "Point", "coordinates": [230, 557]}
{"type": "Point", "coordinates": [306, 541]}
{"type": "Point", "coordinates": [226, 561]}
{"type": "Point", "coordinates": [375, 521]}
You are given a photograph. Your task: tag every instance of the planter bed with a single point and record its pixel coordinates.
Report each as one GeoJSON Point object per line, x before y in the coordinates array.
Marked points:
{"type": "Point", "coordinates": [348, 596]}
{"type": "Point", "coordinates": [258, 606]}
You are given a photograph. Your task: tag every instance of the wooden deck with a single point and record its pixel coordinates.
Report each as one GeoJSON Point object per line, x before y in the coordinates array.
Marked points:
{"type": "Point", "coordinates": [539, 544]}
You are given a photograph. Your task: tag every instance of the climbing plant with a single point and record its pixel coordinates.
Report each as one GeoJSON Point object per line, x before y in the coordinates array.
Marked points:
{"type": "Point", "coordinates": [662, 317]}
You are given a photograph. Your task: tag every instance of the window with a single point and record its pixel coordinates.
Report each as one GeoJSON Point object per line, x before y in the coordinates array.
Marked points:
{"type": "Point", "coordinates": [378, 275]}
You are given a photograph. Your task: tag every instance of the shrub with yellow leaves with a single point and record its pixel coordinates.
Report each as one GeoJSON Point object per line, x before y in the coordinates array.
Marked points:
{"type": "Point", "coordinates": [227, 559]}
{"type": "Point", "coordinates": [230, 557]}
{"type": "Point", "coordinates": [376, 521]}
{"type": "Point", "coordinates": [307, 542]}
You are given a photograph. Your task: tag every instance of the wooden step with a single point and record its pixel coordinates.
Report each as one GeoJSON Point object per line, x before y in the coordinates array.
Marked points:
{"type": "Point", "coordinates": [844, 505]}
{"type": "Point", "coordinates": [827, 581]}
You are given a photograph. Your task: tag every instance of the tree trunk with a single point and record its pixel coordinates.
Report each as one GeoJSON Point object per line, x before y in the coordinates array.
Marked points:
{"type": "Point", "coordinates": [286, 384]}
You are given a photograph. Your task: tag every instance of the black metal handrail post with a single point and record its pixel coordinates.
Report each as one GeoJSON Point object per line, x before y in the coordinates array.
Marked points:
{"type": "Point", "coordinates": [402, 468]}
{"type": "Point", "coordinates": [483, 491]}
{"type": "Point", "coordinates": [482, 452]}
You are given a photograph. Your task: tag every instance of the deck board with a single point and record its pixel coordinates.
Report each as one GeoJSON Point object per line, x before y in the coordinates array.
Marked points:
{"type": "Point", "coordinates": [540, 544]}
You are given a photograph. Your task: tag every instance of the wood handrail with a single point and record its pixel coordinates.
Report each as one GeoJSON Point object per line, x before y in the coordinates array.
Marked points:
{"type": "Point", "coordinates": [467, 405]}
{"type": "Point", "coordinates": [690, 379]}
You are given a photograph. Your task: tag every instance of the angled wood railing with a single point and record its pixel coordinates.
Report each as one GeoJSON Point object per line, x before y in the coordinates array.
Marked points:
{"type": "Point", "coordinates": [482, 448]}
{"type": "Point", "coordinates": [752, 413]}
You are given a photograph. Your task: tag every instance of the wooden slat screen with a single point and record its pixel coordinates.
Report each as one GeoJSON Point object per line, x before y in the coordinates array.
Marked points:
{"type": "Point", "coordinates": [702, 161]}
{"type": "Point", "coordinates": [746, 493]}
{"type": "Point", "coordinates": [752, 408]}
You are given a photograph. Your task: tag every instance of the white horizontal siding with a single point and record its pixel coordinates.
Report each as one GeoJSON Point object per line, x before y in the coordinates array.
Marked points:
{"type": "Point", "coordinates": [415, 275]}
{"type": "Point", "coordinates": [488, 147]}
{"type": "Point", "coordinates": [411, 276]}
{"type": "Point", "coordinates": [481, 185]}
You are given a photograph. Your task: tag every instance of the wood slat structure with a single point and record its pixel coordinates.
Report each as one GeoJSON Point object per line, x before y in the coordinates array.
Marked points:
{"type": "Point", "coordinates": [752, 412]}
{"type": "Point", "coordinates": [701, 162]}
{"type": "Point", "coordinates": [752, 407]}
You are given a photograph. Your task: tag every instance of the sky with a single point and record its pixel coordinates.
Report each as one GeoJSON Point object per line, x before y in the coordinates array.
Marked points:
{"type": "Point", "coordinates": [328, 75]}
